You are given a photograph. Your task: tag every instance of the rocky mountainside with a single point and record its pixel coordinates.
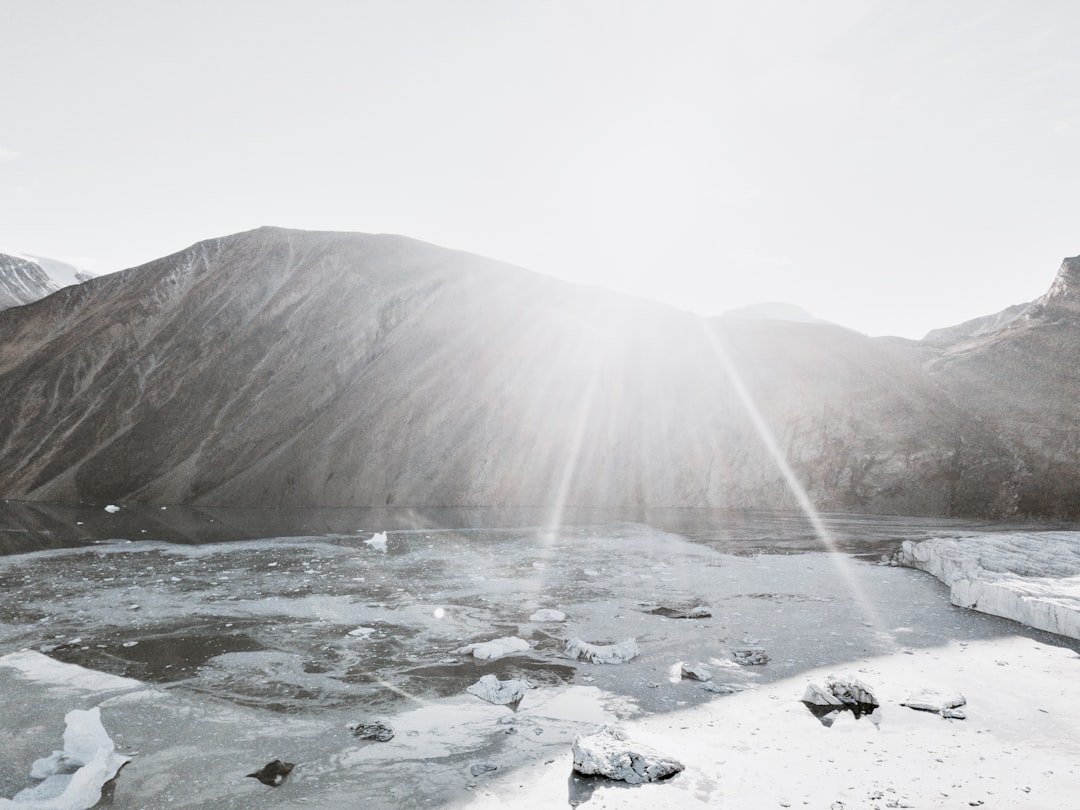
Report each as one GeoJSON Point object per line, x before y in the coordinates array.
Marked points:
{"type": "Point", "coordinates": [1022, 380]}
{"type": "Point", "coordinates": [295, 368]}
{"type": "Point", "coordinates": [22, 281]}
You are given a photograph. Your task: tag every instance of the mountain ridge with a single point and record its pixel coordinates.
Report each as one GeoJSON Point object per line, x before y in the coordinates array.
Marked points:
{"type": "Point", "coordinates": [296, 368]}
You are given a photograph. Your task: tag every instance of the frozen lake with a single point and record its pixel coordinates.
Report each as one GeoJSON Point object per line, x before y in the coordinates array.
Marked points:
{"type": "Point", "coordinates": [250, 636]}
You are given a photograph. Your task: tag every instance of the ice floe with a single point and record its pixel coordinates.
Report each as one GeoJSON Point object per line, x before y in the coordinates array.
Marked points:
{"type": "Point", "coordinates": [496, 648]}
{"type": "Point", "coordinates": [548, 615]}
{"type": "Point", "coordinates": [501, 693]}
{"type": "Point", "coordinates": [603, 653]}
{"type": "Point", "coordinates": [1030, 577]}
{"type": "Point", "coordinates": [34, 666]}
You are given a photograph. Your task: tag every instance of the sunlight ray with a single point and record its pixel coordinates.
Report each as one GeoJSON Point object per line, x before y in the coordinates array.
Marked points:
{"type": "Point", "coordinates": [798, 491]}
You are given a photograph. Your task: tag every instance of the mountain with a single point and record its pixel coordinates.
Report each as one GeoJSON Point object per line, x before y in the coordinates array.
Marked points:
{"type": "Point", "coordinates": [26, 278]}
{"type": "Point", "coordinates": [1022, 380]}
{"type": "Point", "coordinates": [63, 273]}
{"type": "Point", "coordinates": [292, 368]}
{"type": "Point", "coordinates": [22, 281]}
{"type": "Point", "coordinates": [771, 311]}
{"type": "Point", "coordinates": [976, 327]}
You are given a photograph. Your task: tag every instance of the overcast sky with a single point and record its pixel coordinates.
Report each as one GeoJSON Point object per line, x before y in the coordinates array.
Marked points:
{"type": "Point", "coordinates": [891, 166]}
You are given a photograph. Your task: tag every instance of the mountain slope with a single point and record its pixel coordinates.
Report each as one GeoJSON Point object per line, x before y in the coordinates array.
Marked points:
{"type": "Point", "coordinates": [22, 281]}
{"type": "Point", "coordinates": [280, 367]}
{"type": "Point", "coordinates": [1023, 380]}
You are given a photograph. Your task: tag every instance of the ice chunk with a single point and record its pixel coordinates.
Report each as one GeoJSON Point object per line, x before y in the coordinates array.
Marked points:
{"type": "Point", "coordinates": [497, 648]}
{"type": "Point", "coordinates": [1029, 577]}
{"type": "Point", "coordinates": [816, 696]}
{"type": "Point", "coordinates": [603, 653]}
{"type": "Point", "coordinates": [73, 778]}
{"type": "Point", "coordinates": [377, 542]}
{"type": "Point", "coordinates": [696, 672]}
{"type": "Point", "coordinates": [548, 615]}
{"type": "Point", "coordinates": [850, 691]}
{"type": "Point", "coordinates": [112, 509]}
{"type": "Point", "coordinates": [610, 753]}
{"type": "Point", "coordinates": [929, 700]}
{"type": "Point", "coordinates": [491, 689]}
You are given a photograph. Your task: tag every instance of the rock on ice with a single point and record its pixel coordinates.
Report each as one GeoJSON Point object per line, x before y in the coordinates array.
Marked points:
{"type": "Point", "coordinates": [610, 753]}
{"type": "Point", "coordinates": [373, 730]}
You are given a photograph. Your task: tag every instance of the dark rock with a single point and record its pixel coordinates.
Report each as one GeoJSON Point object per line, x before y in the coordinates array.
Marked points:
{"type": "Point", "coordinates": [377, 730]}
{"type": "Point", "coordinates": [273, 773]}
{"type": "Point", "coordinates": [750, 656]}
{"type": "Point", "coordinates": [699, 612]}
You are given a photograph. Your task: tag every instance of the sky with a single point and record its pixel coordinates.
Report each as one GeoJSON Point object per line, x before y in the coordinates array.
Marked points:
{"type": "Point", "coordinates": [889, 166]}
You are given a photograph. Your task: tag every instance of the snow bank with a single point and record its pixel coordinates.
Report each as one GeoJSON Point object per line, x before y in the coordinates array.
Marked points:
{"type": "Point", "coordinates": [73, 778]}
{"type": "Point", "coordinates": [1030, 577]}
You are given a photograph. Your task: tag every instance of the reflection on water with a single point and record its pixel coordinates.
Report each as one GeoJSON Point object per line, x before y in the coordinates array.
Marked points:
{"type": "Point", "coordinates": [26, 526]}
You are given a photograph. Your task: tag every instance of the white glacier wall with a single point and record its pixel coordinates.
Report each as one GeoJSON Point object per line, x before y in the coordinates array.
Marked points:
{"type": "Point", "coordinates": [1030, 577]}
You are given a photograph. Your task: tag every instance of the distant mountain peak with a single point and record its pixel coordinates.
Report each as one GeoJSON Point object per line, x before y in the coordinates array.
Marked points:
{"type": "Point", "coordinates": [25, 278]}
{"type": "Point", "coordinates": [1063, 297]}
{"type": "Point", "coordinates": [22, 281]}
{"type": "Point", "coordinates": [1067, 283]}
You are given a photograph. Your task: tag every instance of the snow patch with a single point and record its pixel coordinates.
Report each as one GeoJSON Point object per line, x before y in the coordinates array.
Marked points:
{"type": "Point", "coordinates": [34, 666]}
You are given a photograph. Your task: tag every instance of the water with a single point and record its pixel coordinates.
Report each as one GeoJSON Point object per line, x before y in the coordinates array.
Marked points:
{"type": "Point", "coordinates": [259, 635]}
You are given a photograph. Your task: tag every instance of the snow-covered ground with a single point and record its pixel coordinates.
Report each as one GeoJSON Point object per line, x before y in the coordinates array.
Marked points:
{"type": "Point", "coordinates": [1030, 577]}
